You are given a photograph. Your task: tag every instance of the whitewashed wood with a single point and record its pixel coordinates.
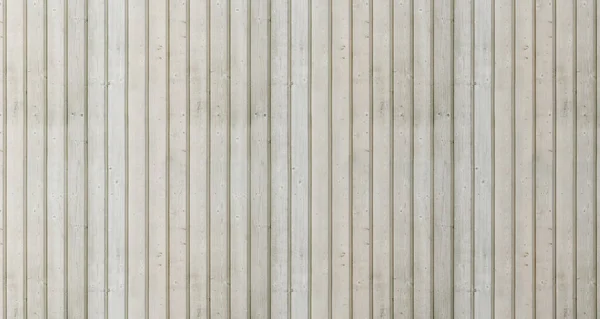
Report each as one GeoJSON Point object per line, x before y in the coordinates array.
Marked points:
{"type": "Point", "coordinates": [287, 158]}
{"type": "Point", "coordinates": [57, 160]}
{"type": "Point", "coordinates": [403, 186]}
{"type": "Point", "coordinates": [503, 160]}
{"type": "Point", "coordinates": [382, 137]}
{"type": "Point", "coordinates": [157, 153]}
{"type": "Point", "coordinates": [136, 159]}
{"type": "Point", "coordinates": [586, 179]}
{"type": "Point", "coordinates": [219, 151]}
{"type": "Point", "coordinates": [16, 204]}
{"type": "Point", "coordinates": [97, 164]}
{"type": "Point", "coordinates": [259, 159]}
{"type": "Point", "coordinates": [76, 166]}
{"type": "Point", "coordinates": [565, 161]}
{"type": "Point", "coordinates": [596, 152]}
{"type": "Point", "coordinates": [341, 160]}
{"type": "Point", "coordinates": [443, 212]}
{"type": "Point", "coordinates": [463, 160]}
{"type": "Point", "coordinates": [524, 135]}
{"type": "Point", "coordinates": [422, 160]}
{"type": "Point", "coordinates": [3, 173]}
{"type": "Point", "coordinates": [198, 148]}
{"type": "Point", "coordinates": [280, 159]}
{"type": "Point", "coordinates": [320, 170]}
{"type": "Point", "coordinates": [36, 99]}
{"type": "Point", "coordinates": [544, 160]}
{"type": "Point", "coordinates": [198, 169]}
{"type": "Point", "coordinates": [117, 210]}
{"type": "Point", "coordinates": [361, 106]}
{"type": "Point", "coordinates": [177, 108]}
{"type": "Point", "coordinates": [483, 65]}
{"type": "Point", "coordinates": [300, 159]}
{"type": "Point", "coordinates": [241, 119]}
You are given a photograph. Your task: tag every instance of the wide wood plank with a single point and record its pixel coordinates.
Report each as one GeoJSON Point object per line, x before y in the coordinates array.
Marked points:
{"type": "Point", "coordinates": [382, 161]}
{"type": "Point", "coordinates": [566, 189]}
{"type": "Point", "coordinates": [403, 185]}
{"type": "Point", "coordinates": [280, 158]}
{"type": "Point", "coordinates": [524, 149]}
{"type": "Point", "coordinates": [503, 120]}
{"type": "Point", "coordinates": [443, 212]}
{"type": "Point", "coordinates": [198, 165]}
{"type": "Point", "coordinates": [463, 160]}
{"type": "Point", "coordinates": [117, 210]}
{"type": "Point", "coordinates": [57, 161]}
{"type": "Point", "coordinates": [423, 160]}
{"type": "Point", "coordinates": [259, 159]}
{"type": "Point", "coordinates": [137, 204]}
{"type": "Point", "coordinates": [177, 108]}
{"type": "Point", "coordinates": [36, 170]}
{"type": "Point", "coordinates": [241, 138]}
{"type": "Point", "coordinates": [361, 159]}
{"type": "Point", "coordinates": [158, 157]}
{"type": "Point", "coordinates": [586, 157]}
{"type": "Point", "coordinates": [544, 160]}
{"type": "Point", "coordinates": [219, 152]}
{"type": "Point", "coordinates": [484, 179]}
{"type": "Point", "coordinates": [96, 160]}
{"type": "Point", "coordinates": [300, 159]}
{"type": "Point", "coordinates": [341, 160]}
{"type": "Point", "coordinates": [320, 170]}
{"type": "Point", "coordinates": [16, 152]}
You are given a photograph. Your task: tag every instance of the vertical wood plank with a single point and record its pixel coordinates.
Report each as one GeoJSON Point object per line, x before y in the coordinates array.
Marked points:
{"type": "Point", "coordinates": [442, 159]}
{"type": "Point", "coordinates": [544, 160]}
{"type": "Point", "coordinates": [586, 196]}
{"type": "Point", "coordinates": [36, 117]}
{"type": "Point", "coordinates": [361, 158]}
{"type": "Point", "coordinates": [382, 160]}
{"type": "Point", "coordinates": [280, 158]}
{"type": "Point", "coordinates": [524, 134]}
{"type": "Point", "coordinates": [300, 104]}
{"type": "Point", "coordinates": [240, 162]}
{"type": "Point", "coordinates": [403, 106]}
{"type": "Point", "coordinates": [566, 189]}
{"type": "Point", "coordinates": [463, 159]}
{"type": "Point", "coordinates": [219, 150]}
{"type": "Point", "coordinates": [97, 164]}
{"type": "Point", "coordinates": [136, 159]}
{"type": "Point", "coordinates": [484, 282]}
{"type": "Point", "coordinates": [319, 170]}
{"type": "Point", "coordinates": [422, 159]}
{"type": "Point", "coordinates": [3, 172]}
{"type": "Point", "coordinates": [76, 165]}
{"type": "Point", "coordinates": [198, 169]}
{"type": "Point", "coordinates": [57, 160]}
{"type": "Point", "coordinates": [178, 158]}
{"type": "Point", "coordinates": [259, 159]}
{"type": "Point", "coordinates": [341, 164]}
{"type": "Point", "coordinates": [158, 119]}
{"type": "Point", "coordinates": [117, 272]}
{"type": "Point", "coordinates": [16, 204]}
{"type": "Point", "coordinates": [503, 158]}
{"type": "Point", "coordinates": [596, 118]}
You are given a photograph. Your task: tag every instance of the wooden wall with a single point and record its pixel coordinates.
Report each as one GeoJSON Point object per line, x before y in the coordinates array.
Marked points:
{"type": "Point", "coordinates": [299, 159]}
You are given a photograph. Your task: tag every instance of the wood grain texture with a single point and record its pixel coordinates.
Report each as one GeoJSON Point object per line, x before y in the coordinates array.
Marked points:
{"type": "Point", "coordinates": [297, 159]}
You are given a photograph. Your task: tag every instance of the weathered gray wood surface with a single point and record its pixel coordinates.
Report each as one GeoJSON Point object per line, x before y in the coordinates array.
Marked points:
{"type": "Point", "coordinates": [299, 158]}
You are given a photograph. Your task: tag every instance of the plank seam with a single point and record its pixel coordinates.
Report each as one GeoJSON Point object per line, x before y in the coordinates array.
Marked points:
{"type": "Point", "coordinates": [85, 161]}
{"type": "Point", "coordinates": [147, 158]}
{"type": "Point", "coordinates": [45, 159]}
{"type": "Point", "coordinates": [187, 160]}
{"type": "Point", "coordinates": [371, 151]}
